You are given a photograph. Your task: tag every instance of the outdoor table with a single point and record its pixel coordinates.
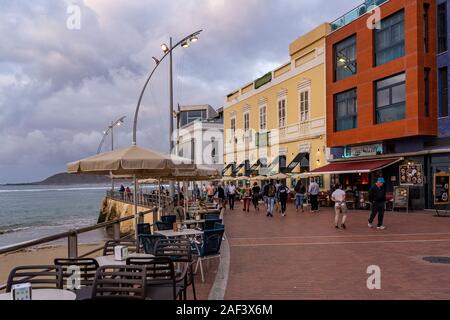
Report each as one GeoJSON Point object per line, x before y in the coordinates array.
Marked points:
{"type": "Point", "coordinates": [111, 261]}
{"type": "Point", "coordinates": [45, 294]}
{"type": "Point", "coordinates": [182, 233]}
{"type": "Point", "coordinates": [188, 222]}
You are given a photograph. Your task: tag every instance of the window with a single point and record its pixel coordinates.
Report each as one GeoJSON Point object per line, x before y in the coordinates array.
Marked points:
{"type": "Point", "coordinates": [443, 92]}
{"type": "Point", "coordinates": [304, 105]}
{"type": "Point", "coordinates": [233, 126]}
{"type": "Point", "coordinates": [427, 92]}
{"type": "Point", "coordinates": [345, 110]}
{"type": "Point", "coordinates": [390, 99]}
{"type": "Point", "coordinates": [345, 58]}
{"type": "Point", "coordinates": [426, 8]}
{"type": "Point", "coordinates": [442, 27]}
{"type": "Point", "coordinates": [246, 122]}
{"type": "Point", "coordinates": [282, 113]}
{"type": "Point", "coordinates": [390, 39]}
{"type": "Point", "coordinates": [263, 118]}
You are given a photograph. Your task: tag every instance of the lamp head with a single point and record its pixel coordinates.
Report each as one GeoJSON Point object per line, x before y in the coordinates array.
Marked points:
{"type": "Point", "coordinates": [194, 39]}
{"type": "Point", "coordinates": [165, 48]}
{"type": "Point", "coordinates": [185, 44]}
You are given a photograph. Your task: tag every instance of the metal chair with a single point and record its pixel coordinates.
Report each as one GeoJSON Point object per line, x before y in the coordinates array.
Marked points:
{"type": "Point", "coordinates": [212, 216]}
{"type": "Point", "coordinates": [144, 228]}
{"type": "Point", "coordinates": [163, 226]}
{"type": "Point", "coordinates": [108, 248]}
{"type": "Point", "coordinates": [87, 268]}
{"type": "Point", "coordinates": [120, 282]}
{"type": "Point", "coordinates": [160, 278]}
{"type": "Point", "coordinates": [148, 242]}
{"type": "Point", "coordinates": [210, 223]}
{"type": "Point", "coordinates": [179, 250]}
{"type": "Point", "coordinates": [39, 276]}
{"type": "Point", "coordinates": [170, 220]}
{"type": "Point", "coordinates": [209, 248]}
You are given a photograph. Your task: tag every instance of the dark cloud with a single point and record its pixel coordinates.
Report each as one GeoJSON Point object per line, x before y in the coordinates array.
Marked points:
{"type": "Point", "coordinates": [59, 88]}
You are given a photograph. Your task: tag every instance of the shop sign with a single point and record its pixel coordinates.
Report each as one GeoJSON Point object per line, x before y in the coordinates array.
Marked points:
{"type": "Point", "coordinates": [411, 175]}
{"type": "Point", "coordinates": [441, 188]}
{"type": "Point", "coordinates": [401, 197]}
{"type": "Point", "coordinates": [366, 150]}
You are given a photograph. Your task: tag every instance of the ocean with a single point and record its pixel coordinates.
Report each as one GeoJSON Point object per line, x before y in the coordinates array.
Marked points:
{"type": "Point", "coordinates": [30, 212]}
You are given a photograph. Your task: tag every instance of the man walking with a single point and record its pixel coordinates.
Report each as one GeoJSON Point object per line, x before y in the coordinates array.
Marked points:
{"type": "Point", "coordinates": [282, 195]}
{"type": "Point", "coordinates": [231, 195]}
{"type": "Point", "coordinates": [300, 191]}
{"type": "Point", "coordinates": [314, 190]}
{"type": "Point", "coordinates": [270, 192]}
{"type": "Point", "coordinates": [377, 198]}
{"type": "Point", "coordinates": [338, 197]}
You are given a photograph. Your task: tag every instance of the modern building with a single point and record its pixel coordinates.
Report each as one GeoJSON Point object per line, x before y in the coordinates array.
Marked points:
{"type": "Point", "coordinates": [200, 135]}
{"type": "Point", "coordinates": [277, 122]}
{"type": "Point", "coordinates": [387, 100]}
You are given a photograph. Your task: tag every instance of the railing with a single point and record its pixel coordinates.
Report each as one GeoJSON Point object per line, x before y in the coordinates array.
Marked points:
{"type": "Point", "coordinates": [354, 14]}
{"type": "Point", "coordinates": [295, 131]}
{"type": "Point", "coordinates": [72, 237]}
{"type": "Point", "coordinates": [143, 199]}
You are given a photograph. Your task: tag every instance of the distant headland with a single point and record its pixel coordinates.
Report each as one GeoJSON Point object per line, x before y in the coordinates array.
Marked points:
{"type": "Point", "coordinates": [66, 178]}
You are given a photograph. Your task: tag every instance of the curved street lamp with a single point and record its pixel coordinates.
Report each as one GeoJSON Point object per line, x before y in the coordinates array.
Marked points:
{"type": "Point", "coordinates": [167, 50]}
{"type": "Point", "coordinates": [113, 124]}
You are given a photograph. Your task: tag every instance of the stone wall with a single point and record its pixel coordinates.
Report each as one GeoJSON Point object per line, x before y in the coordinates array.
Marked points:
{"type": "Point", "coordinates": [114, 209]}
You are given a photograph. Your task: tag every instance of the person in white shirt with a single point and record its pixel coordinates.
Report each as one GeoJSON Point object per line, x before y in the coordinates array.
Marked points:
{"type": "Point", "coordinates": [231, 195]}
{"type": "Point", "coordinates": [338, 197]}
{"type": "Point", "coordinates": [314, 190]}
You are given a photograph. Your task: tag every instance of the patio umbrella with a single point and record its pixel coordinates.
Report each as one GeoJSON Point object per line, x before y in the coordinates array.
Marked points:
{"type": "Point", "coordinates": [279, 176]}
{"type": "Point", "coordinates": [242, 178]}
{"type": "Point", "coordinates": [301, 175]}
{"type": "Point", "coordinates": [225, 179]}
{"type": "Point", "coordinates": [136, 161]}
{"type": "Point", "coordinates": [259, 178]}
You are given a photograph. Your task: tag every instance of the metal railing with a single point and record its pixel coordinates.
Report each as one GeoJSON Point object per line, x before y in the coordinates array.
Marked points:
{"type": "Point", "coordinates": [355, 13]}
{"type": "Point", "coordinates": [72, 237]}
{"type": "Point", "coordinates": [147, 200]}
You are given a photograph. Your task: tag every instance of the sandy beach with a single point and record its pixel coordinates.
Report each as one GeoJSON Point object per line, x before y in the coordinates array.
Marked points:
{"type": "Point", "coordinates": [37, 256]}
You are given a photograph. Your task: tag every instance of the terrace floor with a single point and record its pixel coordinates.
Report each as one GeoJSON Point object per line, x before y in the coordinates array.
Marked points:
{"type": "Point", "coordinates": [302, 256]}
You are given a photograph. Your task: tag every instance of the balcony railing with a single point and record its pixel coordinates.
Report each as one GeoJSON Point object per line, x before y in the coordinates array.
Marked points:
{"type": "Point", "coordinates": [295, 131]}
{"type": "Point", "coordinates": [354, 14]}
{"type": "Point", "coordinates": [143, 199]}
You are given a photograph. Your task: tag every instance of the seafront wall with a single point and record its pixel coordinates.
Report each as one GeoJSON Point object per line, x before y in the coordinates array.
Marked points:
{"type": "Point", "coordinates": [114, 209]}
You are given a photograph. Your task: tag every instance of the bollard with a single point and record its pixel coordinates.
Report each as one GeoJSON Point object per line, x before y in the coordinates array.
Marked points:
{"type": "Point", "coordinates": [116, 231]}
{"type": "Point", "coordinates": [72, 245]}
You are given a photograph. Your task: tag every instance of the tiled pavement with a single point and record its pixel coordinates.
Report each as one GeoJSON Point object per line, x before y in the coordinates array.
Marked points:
{"type": "Point", "coordinates": [302, 256]}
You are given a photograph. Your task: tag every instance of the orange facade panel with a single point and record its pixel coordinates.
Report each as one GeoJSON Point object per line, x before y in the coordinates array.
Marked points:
{"type": "Point", "coordinates": [413, 64]}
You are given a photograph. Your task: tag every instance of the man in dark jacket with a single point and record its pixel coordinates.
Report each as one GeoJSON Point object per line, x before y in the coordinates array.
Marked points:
{"type": "Point", "coordinates": [377, 198]}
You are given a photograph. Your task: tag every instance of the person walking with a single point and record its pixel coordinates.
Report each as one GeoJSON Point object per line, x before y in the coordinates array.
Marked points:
{"type": "Point", "coordinates": [221, 195]}
{"type": "Point", "coordinates": [340, 207]}
{"type": "Point", "coordinates": [247, 196]}
{"type": "Point", "coordinates": [211, 191]}
{"type": "Point", "coordinates": [270, 192]}
{"type": "Point", "coordinates": [122, 191]}
{"type": "Point", "coordinates": [277, 199]}
{"type": "Point", "coordinates": [282, 195]}
{"type": "Point", "coordinates": [231, 195]}
{"type": "Point", "coordinates": [377, 199]}
{"type": "Point", "coordinates": [256, 191]}
{"type": "Point", "coordinates": [300, 191]}
{"type": "Point", "coordinates": [196, 192]}
{"type": "Point", "coordinates": [314, 190]}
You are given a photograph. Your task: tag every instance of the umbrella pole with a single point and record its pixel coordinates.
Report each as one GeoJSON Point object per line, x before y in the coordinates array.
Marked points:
{"type": "Point", "coordinates": [136, 217]}
{"type": "Point", "coordinates": [159, 194]}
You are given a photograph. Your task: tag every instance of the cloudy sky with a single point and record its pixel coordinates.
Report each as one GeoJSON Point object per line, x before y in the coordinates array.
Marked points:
{"type": "Point", "coordinates": [59, 88]}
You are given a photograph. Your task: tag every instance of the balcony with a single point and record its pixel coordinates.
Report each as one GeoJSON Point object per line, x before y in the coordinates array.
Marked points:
{"type": "Point", "coordinates": [303, 130]}
{"type": "Point", "coordinates": [354, 14]}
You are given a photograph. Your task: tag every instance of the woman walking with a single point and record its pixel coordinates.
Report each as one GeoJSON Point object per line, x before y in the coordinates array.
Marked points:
{"type": "Point", "coordinates": [300, 191]}
{"type": "Point", "coordinates": [282, 195]}
{"type": "Point", "coordinates": [247, 196]}
{"type": "Point", "coordinates": [256, 191]}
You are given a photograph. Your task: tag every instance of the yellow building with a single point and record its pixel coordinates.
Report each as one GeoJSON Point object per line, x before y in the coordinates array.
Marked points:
{"type": "Point", "coordinates": [277, 123]}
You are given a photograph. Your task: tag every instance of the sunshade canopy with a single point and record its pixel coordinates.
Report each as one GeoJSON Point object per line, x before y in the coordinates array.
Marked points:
{"type": "Point", "coordinates": [279, 176]}
{"type": "Point", "coordinates": [355, 166]}
{"type": "Point", "coordinates": [134, 160]}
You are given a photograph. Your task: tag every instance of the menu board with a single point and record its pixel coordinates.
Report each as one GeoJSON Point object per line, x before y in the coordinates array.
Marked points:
{"type": "Point", "coordinates": [401, 197]}
{"type": "Point", "coordinates": [441, 185]}
{"type": "Point", "coordinates": [411, 175]}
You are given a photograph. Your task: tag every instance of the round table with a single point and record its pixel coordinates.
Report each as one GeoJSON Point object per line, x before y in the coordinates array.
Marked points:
{"type": "Point", "coordinates": [45, 294]}
{"type": "Point", "coordinates": [111, 261]}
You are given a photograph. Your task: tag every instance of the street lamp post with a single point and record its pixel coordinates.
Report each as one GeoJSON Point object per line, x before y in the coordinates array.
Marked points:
{"type": "Point", "coordinates": [113, 124]}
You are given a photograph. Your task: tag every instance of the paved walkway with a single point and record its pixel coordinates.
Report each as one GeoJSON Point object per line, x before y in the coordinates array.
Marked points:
{"type": "Point", "coordinates": [302, 256]}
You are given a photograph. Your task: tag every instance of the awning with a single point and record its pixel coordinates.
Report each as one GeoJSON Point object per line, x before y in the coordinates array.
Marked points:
{"type": "Point", "coordinates": [245, 164]}
{"type": "Point", "coordinates": [230, 165]}
{"type": "Point", "coordinates": [277, 165]}
{"type": "Point", "coordinates": [355, 166]}
{"type": "Point", "coordinates": [259, 163]}
{"type": "Point", "coordinates": [300, 159]}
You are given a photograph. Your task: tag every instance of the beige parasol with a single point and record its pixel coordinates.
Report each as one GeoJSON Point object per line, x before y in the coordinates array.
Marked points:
{"type": "Point", "coordinates": [279, 176]}
{"type": "Point", "coordinates": [259, 178]}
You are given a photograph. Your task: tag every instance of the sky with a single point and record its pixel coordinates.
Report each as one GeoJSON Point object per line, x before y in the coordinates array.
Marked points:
{"type": "Point", "coordinates": [61, 86]}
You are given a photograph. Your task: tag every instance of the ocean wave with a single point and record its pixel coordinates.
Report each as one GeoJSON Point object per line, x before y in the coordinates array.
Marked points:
{"type": "Point", "coordinates": [60, 189]}
{"type": "Point", "coordinates": [12, 230]}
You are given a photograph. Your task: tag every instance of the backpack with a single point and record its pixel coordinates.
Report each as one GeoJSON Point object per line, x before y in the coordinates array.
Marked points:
{"type": "Point", "coordinates": [271, 191]}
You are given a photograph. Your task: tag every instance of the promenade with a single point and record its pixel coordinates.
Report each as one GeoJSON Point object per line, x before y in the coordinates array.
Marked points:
{"type": "Point", "coordinates": [302, 256]}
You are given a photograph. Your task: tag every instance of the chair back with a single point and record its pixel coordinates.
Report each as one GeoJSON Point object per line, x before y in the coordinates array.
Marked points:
{"type": "Point", "coordinates": [179, 250]}
{"type": "Point", "coordinates": [87, 266]}
{"type": "Point", "coordinates": [170, 220]}
{"type": "Point", "coordinates": [159, 271]}
{"type": "Point", "coordinates": [108, 248]}
{"type": "Point", "coordinates": [163, 226]}
{"type": "Point", "coordinates": [218, 225]}
{"type": "Point", "coordinates": [40, 277]}
{"type": "Point", "coordinates": [120, 282]}
{"type": "Point", "coordinates": [144, 228]}
{"type": "Point", "coordinates": [210, 216]}
{"type": "Point", "coordinates": [209, 224]}
{"type": "Point", "coordinates": [212, 240]}
{"type": "Point", "coordinates": [148, 242]}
